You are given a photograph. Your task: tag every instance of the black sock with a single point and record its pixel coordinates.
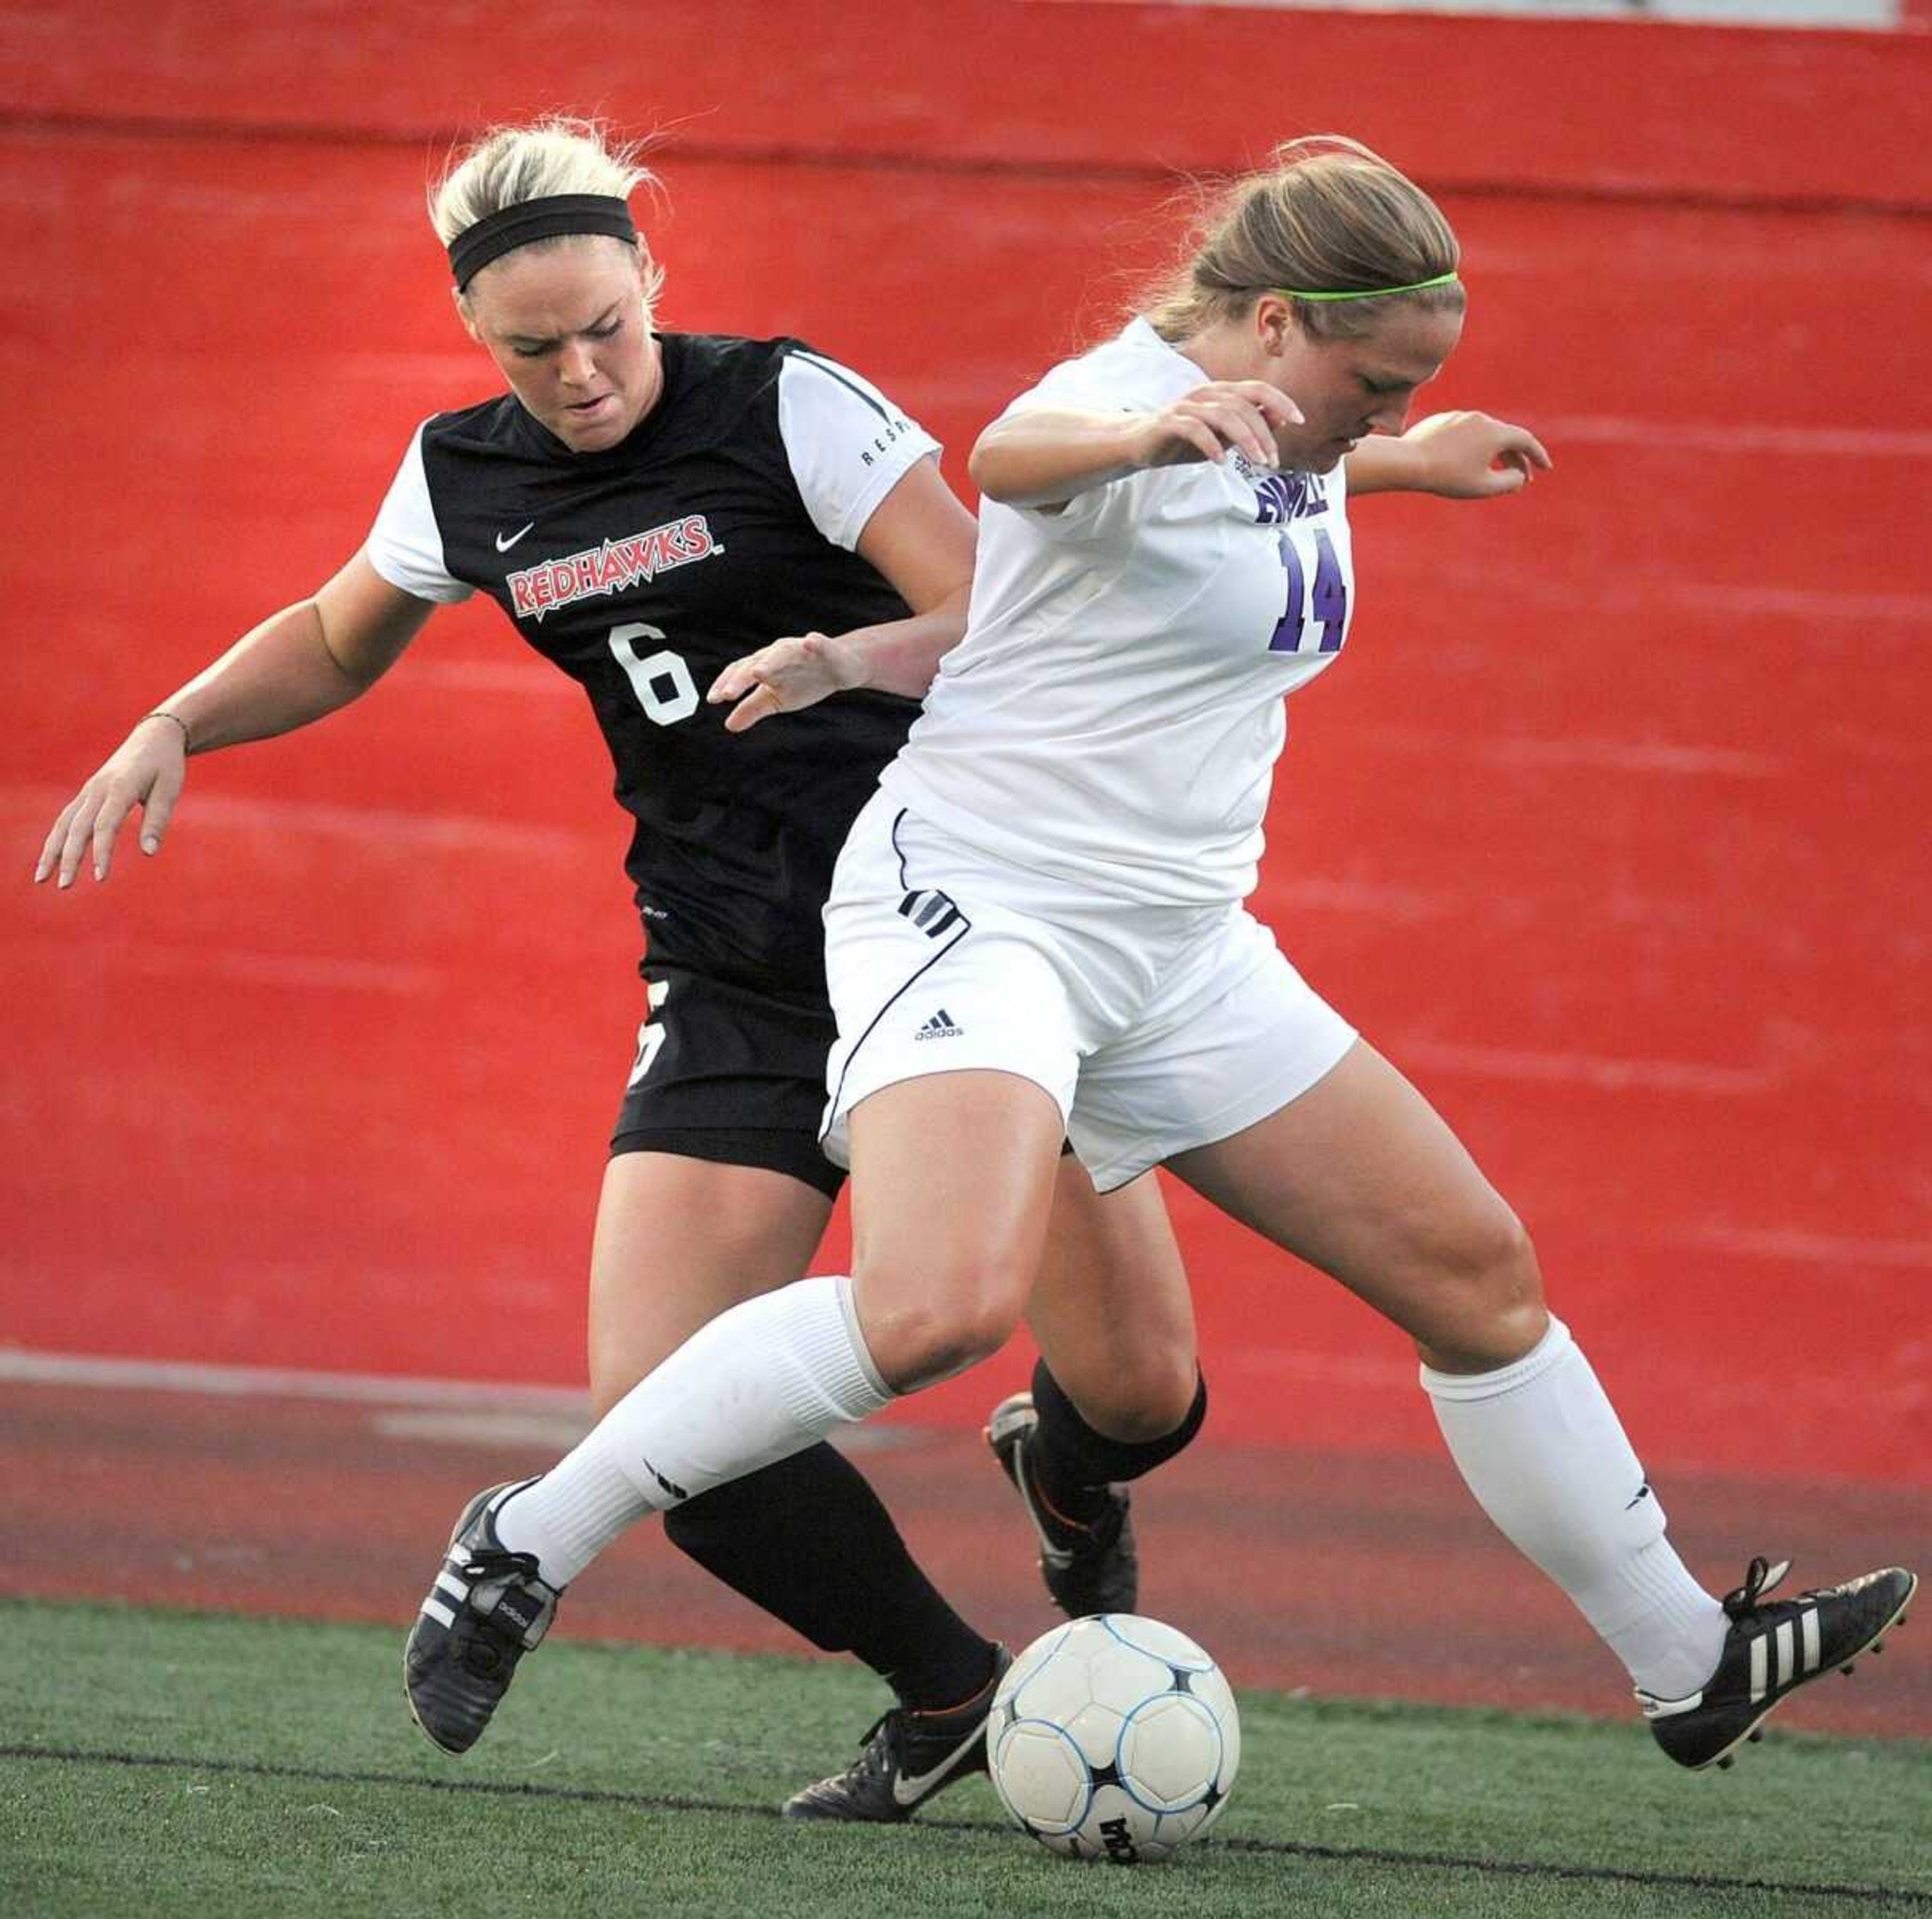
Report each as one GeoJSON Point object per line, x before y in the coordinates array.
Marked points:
{"type": "Point", "coordinates": [1072, 1465]}
{"type": "Point", "coordinates": [807, 1540]}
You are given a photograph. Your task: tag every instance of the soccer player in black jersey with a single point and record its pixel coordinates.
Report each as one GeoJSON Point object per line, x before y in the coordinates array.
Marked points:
{"type": "Point", "coordinates": [648, 509]}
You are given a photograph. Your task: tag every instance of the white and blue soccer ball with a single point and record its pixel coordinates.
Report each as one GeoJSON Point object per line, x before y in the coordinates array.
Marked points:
{"type": "Point", "coordinates": [1114, 1737]}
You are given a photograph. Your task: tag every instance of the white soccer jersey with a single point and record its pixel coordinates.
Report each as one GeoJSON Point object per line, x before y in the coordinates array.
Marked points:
{"type": "Point", "coordinates": [1113, 715]}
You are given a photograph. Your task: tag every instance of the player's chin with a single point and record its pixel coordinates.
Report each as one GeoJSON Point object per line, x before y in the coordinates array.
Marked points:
{"type": "Point", "coordinates": [586, 439]}
{"type": "Point", "coordinates": [1321, 456]}
{"type": "Point", "coordinates": [591, 430]}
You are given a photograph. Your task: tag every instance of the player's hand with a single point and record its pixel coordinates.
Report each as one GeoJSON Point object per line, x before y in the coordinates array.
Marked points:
{"type": "Point", "coordinates": [786, 676]}
{"type": "Point", "coordinates": [1470, 456]}
{"type": "Point", "coordinates": [147, 770]}
{"type": "Point", "coordinates": [1241, 415]}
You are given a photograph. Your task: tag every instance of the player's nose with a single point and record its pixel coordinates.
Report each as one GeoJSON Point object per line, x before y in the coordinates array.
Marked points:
{"type": "Point", "coordinates": [574, 365]}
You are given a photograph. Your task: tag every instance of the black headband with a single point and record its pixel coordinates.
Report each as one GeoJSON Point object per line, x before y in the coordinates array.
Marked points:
{"type": "Point", "coordinates": [496, 233]}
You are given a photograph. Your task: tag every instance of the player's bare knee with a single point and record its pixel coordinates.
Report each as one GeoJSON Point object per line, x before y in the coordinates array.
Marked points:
{"type": "Point", "coordinates": [922, 1351]}
{"type": "Point", "coordinates": [916, 1343]}
{"type": "Point", "coordinates": [1144, 1398]}
{"type": "Point", "coordinates": [1493, 1311]}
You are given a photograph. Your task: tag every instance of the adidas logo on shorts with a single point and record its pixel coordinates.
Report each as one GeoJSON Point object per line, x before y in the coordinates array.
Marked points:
{"type": "Point", "coordinates": [940, 1026]}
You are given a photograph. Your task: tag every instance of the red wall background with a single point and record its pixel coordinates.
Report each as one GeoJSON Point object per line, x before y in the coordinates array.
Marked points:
{"type": "Point", "coordinates": [1612, 830]}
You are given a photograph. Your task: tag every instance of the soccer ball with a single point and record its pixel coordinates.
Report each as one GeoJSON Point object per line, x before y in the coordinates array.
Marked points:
{"type": "Point", "coordinates": [1114, 1737]}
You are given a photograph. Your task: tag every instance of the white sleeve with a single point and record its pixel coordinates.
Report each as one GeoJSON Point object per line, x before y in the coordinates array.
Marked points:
{"type": "Point", "coordinates": [848, 445]}
{"type": "Point", "coordinates": [405, 546]}
{"type": "Point", "coordinates": [1094, 513]}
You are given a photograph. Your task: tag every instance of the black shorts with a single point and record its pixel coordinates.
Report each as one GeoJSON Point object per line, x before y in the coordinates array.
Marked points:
{"type": "Point", "coordinates": [725, 1073]}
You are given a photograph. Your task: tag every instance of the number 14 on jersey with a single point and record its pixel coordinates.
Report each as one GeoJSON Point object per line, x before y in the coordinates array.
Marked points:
{"type": "Point", "coordinates": [1316, 614]}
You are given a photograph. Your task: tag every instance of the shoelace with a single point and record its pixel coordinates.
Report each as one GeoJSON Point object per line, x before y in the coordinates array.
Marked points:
{"type": "Point", "coordinates": [874, 1761]}
{"type": "Point", "coordinates": [492, 1562]}
{"type": "Point", "coordinates": [1760, 1576]}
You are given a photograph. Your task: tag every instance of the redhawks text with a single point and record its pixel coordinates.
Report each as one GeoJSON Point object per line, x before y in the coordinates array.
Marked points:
{"type": "Point", "coordinates": [616, 564]}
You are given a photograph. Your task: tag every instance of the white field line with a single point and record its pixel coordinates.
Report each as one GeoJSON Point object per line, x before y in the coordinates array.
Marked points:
{"type": "Point", "coordinates": [19, 1366]}
{"type": "Point", "coordinates": [478, 1412]}
{"type": "Point", "coordinates": [452, 1426]}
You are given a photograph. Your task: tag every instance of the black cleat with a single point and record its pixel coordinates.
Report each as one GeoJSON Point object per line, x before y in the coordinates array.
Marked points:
{"type": "Point", "coordinates": [1773, 1647]}
{"type": "Point", "coordinates": [1088, 1568]}
{"type": "Point", "coordinates": [904, 1759]}
{"type": "Point", "coordinates": [486, 1609]}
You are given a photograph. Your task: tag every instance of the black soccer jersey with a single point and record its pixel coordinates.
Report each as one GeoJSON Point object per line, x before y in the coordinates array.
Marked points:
{"type": "Point", "coordinates": [725, 521]}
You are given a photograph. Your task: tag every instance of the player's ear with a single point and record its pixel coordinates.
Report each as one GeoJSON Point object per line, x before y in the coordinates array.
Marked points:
{"type": "Point", "coordinates": [1275, 322]}
{"type": "Point", "coordinates": [650, 281]}
{"type": "Point", "coordinates": [464, 314]}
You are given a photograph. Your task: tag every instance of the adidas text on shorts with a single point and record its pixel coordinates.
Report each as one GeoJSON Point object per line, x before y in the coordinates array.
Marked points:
{"type": "Point", "coordinates": [1154, 1029]}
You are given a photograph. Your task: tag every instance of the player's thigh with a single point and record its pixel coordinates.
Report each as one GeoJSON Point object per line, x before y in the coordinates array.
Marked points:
{"type": "Point", "coordinates": [952, 1184]}
{"type": "Point", "coordinates": [1111, 1310]}
{"type": "Point", "coordinates": [1230, 1034]}
{"type": "Point", "coordinates": [960, 1033]}
{"type": "Point", "coordinates": [1361, 1177]}
{"type": "Point", "coordinates": [679, 1239]}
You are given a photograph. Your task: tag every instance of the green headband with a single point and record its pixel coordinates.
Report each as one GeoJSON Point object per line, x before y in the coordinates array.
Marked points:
{"type": "Point", "coordinates": [1372, 292]}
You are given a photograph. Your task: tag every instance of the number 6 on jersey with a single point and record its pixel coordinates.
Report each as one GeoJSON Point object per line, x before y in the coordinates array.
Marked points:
{"type": "Point", "coordinates": [661, 708]}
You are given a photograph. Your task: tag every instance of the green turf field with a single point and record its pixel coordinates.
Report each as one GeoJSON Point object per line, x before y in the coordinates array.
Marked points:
{"type": "Point", "coordinates": [168, 1763]}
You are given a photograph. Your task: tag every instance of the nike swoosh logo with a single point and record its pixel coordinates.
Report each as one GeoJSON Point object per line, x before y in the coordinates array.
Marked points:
{"type": "Point", "coordinates": [1058, 1557]}
{"type": "Point", "coordinates": [909, 1790]}
{"type": "Point", "coordinates": [504, 545]}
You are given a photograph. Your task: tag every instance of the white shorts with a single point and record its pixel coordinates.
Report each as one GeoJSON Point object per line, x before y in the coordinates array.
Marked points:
{"type": "Point", "coordinates": [1154, 1028]}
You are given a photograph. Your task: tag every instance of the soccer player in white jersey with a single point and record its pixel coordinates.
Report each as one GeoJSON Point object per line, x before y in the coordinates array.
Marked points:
{"type": "Point", "coordinates": [1035, 931]}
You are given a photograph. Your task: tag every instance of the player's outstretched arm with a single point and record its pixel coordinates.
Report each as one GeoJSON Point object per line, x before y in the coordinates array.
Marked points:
{"type": "Point", "coordinates": [298, 665]}
{"type": "Point", "coordinates": [1459, 456]}
{"type": "Point", "coordinates": [1044, 456]}
{"type": "Point", "coordinates": [920, 539]}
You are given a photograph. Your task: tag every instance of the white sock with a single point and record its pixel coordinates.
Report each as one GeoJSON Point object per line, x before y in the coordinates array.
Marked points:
{"type": "Point", "coordinates": [1540, 1445]}
{"type": "Point", "coordinates": [765, 1380]}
